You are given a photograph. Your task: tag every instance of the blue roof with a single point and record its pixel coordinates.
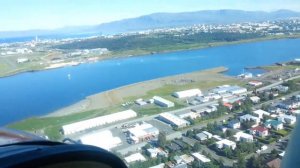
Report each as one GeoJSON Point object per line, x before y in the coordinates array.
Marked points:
{"type": "Point", "coordinates": [235, 121]}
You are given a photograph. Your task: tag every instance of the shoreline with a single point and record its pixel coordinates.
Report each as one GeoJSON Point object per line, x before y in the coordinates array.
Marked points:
{"type": "Point", "coordinates": [144, 53]}
{"type": "Point", "coordinates": [92, 102]}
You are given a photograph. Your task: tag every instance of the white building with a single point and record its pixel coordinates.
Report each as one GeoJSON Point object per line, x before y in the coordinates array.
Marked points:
{"type": "Point", "coordinates": [255, 83]}
{"type": "Point", "coordinates": [201, 158]}
{"type": "Point", "coordinates": [261, 113]}
{"type": "Point", "coordinates": [209, 135]}
{"type": "Point", "coordinates": [237, 90]}
{"type": "Point", "coordinates": [255, 99]}
{"type": "Point", "coordinates": [173, 120]}
{"type": "Point", "coordinates": [98, 121]}
{"type": "Point", "coordinates": [229, 89]}
{"type": "Point", "coordinates": [189, 114]}
{"type": "Point", "coordinates": [187, 93]}
{"type": "Point", "coordinates": [202, 99]}
{"type": "Point", "coordinates": [163, 102]}
{"type": "Point", "coordinates": [135, 157]}
{"type": "Point", "coordinates": [248, 117]}
{"type": "Point", "coordinates": [142, 132]}
{"type": "Point", "coordinates": [244, 137]}
{"type": "Point", "coordinates": [22, 60]}
{"type": "Point", "coordinates": [288, 119]}
{"type": "Point", "coordinates": [225, 143]}
{"type": "Point", "coordinates": [103, 139]}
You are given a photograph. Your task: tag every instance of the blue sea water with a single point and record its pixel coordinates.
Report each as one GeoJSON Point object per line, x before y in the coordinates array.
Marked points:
{"type": "Point", "coordinates": [38, 93]}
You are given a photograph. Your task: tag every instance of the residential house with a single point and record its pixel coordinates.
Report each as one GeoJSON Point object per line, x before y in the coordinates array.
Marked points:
{"type": "Point", "coordinates": [201, 136]}
{"type": "Point", "coordinates": [289, 104]}
{"type": "Point", "coordinates": [261, 113]}
{"type": "Point", "coordinates": [187, 158]}
{"type": "Point", "coordinates": [274, 163]}
{"type": "Point", "coordinates": [234, 124]}
{"type": "Point", "coordinates": [201, 158]}
{"type": "Point", "coordinates": [255, 99]}
{"type": "Point", "coordinates": [209, 135]}
{"type": "Point", "coordinates": [275, 124]}
{"type": "Point", "coordinates": [223, 129]}
{"type": "Point", "coordinates": [248, 117]}
{"type": "Point", "coordinates": [288, 119]}
{"type": "Point", "coordinates": [225, 143]}
{"type": "Point", "coordinates": [243, 137]}
{"type": "Point", "coordinates": [259, 131]}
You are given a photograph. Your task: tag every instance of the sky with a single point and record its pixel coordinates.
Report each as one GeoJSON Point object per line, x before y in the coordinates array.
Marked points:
{"type": "Point", "coordinates": [51, 14]}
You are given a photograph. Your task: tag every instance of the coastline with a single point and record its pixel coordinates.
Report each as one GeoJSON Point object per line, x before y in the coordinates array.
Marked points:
{"type": "Point", "coordinates": [118, 95]}
{"type": "Point", "coordinates": [128, 54]}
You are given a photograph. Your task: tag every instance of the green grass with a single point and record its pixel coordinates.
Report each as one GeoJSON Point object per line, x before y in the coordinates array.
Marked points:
{"type": "Point", "coordinates": [282, 132]}
{"type": "Point", "coordinates": [276, 67]}
{"type": "Point", "coordinates": [50, 126]}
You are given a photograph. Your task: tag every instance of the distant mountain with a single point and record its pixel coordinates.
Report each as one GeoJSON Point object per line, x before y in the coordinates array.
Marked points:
{"type": "Point", "coordinates": [162, 20]}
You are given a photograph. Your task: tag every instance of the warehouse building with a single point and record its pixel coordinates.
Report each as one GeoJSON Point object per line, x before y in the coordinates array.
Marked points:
{"type": "Point", "coordinates": [142, 132]}
{"type": "Point", "coordinates": [187, 93]}
{"type": "Point", "coordinates": [135, 157]}
{"type": "Point", "coordinates": [229, 89]}
{"type": "Point", "coordinates": [163, 102]}
{"type": "Point", "coordinates": [97, 139]}
{"type": "Point", "coordinates": [98, 121]}
{"type": "Point", "coordinates": [173, 120]}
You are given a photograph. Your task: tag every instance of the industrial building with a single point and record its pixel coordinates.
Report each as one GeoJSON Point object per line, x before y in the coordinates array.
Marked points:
{"type": "Point", "coordinates": [98, 121]}
{"type": "Point", "coordinates": [142, 132]}
{"type": "Point", "coordinates": [97, 139]}
{"type": "Point", "coordinates": [135, 157]}
{"type": "Point", "coordinates": [173, 120]}
{"type": "Point", "coordinates": [229, 89]}
{"type": "Point", "coordinates": [187, 93]}
{"type": "Point", "coordinates": [163, 102]}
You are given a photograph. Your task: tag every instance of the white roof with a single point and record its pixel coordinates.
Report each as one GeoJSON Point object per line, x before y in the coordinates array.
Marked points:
{"type": "Point", "coordinates": [200, 157]}
{"type": "Point", "coordinates": [260, 113]}
{"type": "Point", "coordinates": [249, 117]}
{"type": "Point", "coordinates": [254, 98]}
{"type": "Point", "coordinates": [288, 117]}
{"type": "Point", "coordinates": [97, 139]}
{"type": "Point", "coordinates": [188, 93]}
{"type": "Point", "coordinates": [226, 142]}
{"type": "Point", "coordinates": [135, 157]}
{"type": "Point", "coordinates": [207, 133]}
{"type": "Point", "coordinates": [243, 135]}
{"type": "Point", "coordinates": [140, 129]}
{"type": "Point", "coordinates": [98, 121]}
{"type": "Point", "coordinates": [162, 100]}
{"type": "Point", "coordinates": [174, 119]}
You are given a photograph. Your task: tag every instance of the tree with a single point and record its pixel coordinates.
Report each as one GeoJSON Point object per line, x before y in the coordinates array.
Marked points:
{"type": "Point", "coordinates": [196, 147]}
{"type": "Point", "coordinates": [255, 162]}
{"type": "Point", "coordinates": [240, 163]}
{"type": "Point", "coordinates": [189, 133]}
{"type": "Point", "coordinates": [162, 140]}
{"type": "Point", "coordinates": [229, 133]}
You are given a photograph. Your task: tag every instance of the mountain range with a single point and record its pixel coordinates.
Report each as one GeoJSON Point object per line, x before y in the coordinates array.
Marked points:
{"type": "Point", "coordinates": [160, 20]}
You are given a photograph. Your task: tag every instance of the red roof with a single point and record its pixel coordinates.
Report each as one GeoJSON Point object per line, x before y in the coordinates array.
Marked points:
{"type": "Point", "coordinates": [227, 105]}
{"type": "Point", "coordinates": [259, 129]}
